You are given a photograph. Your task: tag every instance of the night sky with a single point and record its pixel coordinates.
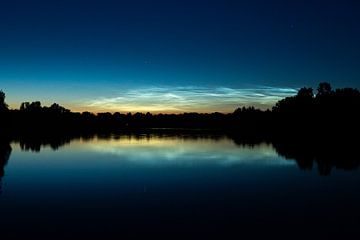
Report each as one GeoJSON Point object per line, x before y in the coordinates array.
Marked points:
{"type": "Point", "coordinates": [174, 56]}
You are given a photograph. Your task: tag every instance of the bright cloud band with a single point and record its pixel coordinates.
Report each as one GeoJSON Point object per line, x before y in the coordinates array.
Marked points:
{"type": "Point", "coordinates": [189, 99]}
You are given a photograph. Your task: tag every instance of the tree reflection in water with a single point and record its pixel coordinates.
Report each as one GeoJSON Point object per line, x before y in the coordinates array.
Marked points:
{"type": "Point", "coordinates": [326, 155]}
{"type": "Point", "coordinates": [5, 151]}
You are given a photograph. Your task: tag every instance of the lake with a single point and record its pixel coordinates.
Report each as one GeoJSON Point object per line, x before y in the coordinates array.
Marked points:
{"type": "Point", "coordinates": [175, 186]}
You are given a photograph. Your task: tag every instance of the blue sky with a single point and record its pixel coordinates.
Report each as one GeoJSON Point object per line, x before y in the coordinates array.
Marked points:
{"type": "Point", "coordinates": [174, 55]}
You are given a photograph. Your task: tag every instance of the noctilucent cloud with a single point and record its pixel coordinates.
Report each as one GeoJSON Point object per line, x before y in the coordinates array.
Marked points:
{"type": "Point", "coordinates": [172, 55]}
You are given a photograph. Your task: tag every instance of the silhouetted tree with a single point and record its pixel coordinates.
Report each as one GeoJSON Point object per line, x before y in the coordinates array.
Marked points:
{"type": "Point", "coordinates": [3, 105]}
{"type": "Point", "coordinates": [347, 92]}
{"type": "Point", "coordinates": [328, 114]}
{"type": "Point", "coordinates": [31, 107]}
{"type": "Point", "coordinates": [305, 93]}
{"type": "Point", "coordinates": [324, 89]}
{"type": "Point", "coordinates": [56, 108]}
{"type": "Point", "coordinates": [24, 106]}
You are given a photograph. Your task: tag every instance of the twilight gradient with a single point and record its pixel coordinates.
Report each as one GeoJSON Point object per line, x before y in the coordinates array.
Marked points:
{"type": "Point", "coordinates": [172, 55]}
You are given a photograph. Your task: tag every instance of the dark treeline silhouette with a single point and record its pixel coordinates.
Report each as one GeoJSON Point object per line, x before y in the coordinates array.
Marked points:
{"type": "Point", "coordinates": [306, 115]}
{"type": "Point", "coordinates": [326, 114]}
{"type": "Point", "coordinates": [312, 128]}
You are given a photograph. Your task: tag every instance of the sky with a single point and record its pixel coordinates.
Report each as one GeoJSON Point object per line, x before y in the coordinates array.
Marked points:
{"type": "Point", "coordinates": [172, 55]}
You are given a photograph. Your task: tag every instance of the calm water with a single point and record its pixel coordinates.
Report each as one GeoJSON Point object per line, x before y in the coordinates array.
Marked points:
{"type": "Point", "coordinates": [171, 186]}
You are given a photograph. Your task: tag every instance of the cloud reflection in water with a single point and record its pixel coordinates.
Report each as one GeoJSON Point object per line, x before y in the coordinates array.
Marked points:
{"type": "Point", "coordinates": [157, 151]}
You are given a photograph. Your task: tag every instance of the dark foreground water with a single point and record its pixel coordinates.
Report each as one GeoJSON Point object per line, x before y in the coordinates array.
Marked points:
{"type": "Point", "coordinates": [172, 187]}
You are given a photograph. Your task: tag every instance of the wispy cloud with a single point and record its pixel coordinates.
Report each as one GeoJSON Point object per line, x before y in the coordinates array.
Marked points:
{"type": "Point", "coordinates": [188, 99]}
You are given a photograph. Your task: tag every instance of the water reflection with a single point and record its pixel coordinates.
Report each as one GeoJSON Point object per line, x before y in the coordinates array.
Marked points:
{"type": "Point", "coordinates": [131, 186]}
{"type": "Point", "coordinates": [35, 144]}
{"type": "Point", "coordinates": [195, 149]}
{"type": "Point", "coordinates": [326, 155]}
{"type": "Point", "coordinates": [182, 151]}
{"type": "Point", "coordinates": [5, 151]}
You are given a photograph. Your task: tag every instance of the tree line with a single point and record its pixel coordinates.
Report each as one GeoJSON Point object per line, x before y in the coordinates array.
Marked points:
{"type": "Point", "coordinates": [328, 111]}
